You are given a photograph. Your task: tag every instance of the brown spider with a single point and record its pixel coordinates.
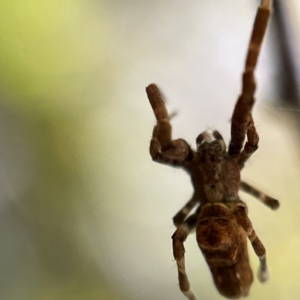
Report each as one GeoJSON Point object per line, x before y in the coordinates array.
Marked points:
{"type": "Point", "coordinates": [221, 220]}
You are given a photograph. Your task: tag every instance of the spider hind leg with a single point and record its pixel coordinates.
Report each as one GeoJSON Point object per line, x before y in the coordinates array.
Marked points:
{"type": "Point", "coordinates": [178, 238]}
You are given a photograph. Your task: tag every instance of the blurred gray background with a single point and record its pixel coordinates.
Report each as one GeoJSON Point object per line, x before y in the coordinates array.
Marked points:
{"type": "Point", "coordinates": [84, 212]}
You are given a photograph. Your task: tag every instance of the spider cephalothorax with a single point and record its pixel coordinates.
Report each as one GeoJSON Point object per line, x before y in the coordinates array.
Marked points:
{"type": "Point", "coordinates": [220, 174]}
{"type": "Point", "coordinates": [221, 219]}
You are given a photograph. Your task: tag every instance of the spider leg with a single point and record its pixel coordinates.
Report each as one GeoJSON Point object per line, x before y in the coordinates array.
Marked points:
{"type": "Point", "coordinates": [244, 221]}
{"type": "Point", "coordinates": [179, 237]}
{"type": "Point", "coordinates": [268, 201]}
{"type": "Point", "coordinates": [251, 144]}
{"type": "Point", "coordinates": [241, 118]}
{"type": "Point", "coordinates": [162, 148]}
{"type": "Point", "coordinates": [179, 218]}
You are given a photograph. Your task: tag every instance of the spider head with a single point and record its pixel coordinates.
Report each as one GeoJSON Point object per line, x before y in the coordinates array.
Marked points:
{"type": "Point", "coordinates": [218, 231]}
{"type": "Point", "coordinates": [207, 140]}
{"type": "Point", "coordinates": [211, 150]}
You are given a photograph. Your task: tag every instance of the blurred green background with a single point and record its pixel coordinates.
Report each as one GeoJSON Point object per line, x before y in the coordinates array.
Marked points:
{"type": "Point", "coordinates": [84, 212]}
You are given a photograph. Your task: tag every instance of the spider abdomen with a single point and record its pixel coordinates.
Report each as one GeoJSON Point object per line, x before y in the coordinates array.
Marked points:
{"type": "Point", "coordinates": [223, 243]}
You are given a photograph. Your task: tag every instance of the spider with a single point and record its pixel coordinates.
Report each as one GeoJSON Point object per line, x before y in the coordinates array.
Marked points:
{"type": "Point", "coordinates": [221, 218]}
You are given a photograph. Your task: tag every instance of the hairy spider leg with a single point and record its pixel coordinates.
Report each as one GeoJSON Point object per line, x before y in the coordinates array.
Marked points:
{"type": "Point", "coordinates": [251, 144]}
{"type": "Point", "coordinates": [241, 118]}
{"type": "Point", "coordinates": [259, 249]}
{"type": "Point", "coordinates": [162, 148]}
{"type": "Point", "coordinates": [179, 218]}
{"type": "Point", "coordinates": [265, 199]}
{"type": "Point", "coordinates": [179, 237]}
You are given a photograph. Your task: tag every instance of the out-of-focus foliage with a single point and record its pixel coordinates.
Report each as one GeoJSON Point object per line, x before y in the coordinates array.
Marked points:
{"type": "Point", "coordinates": [52, 52]}
{"type": "Point", "coordinates": [53, 63]}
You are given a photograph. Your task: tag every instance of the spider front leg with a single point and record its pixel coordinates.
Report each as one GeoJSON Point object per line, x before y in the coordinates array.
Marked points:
{"type": "Point", "coordinates": [243, 219]}
{"type": "Point", "coordinates": [242, 122]}
{"type": "Point", "coordinates": [179, 237]}
{"type": "Point", "coordinates": [251, 144]}
{"type": "Point", "coordinates": [162, 148]}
